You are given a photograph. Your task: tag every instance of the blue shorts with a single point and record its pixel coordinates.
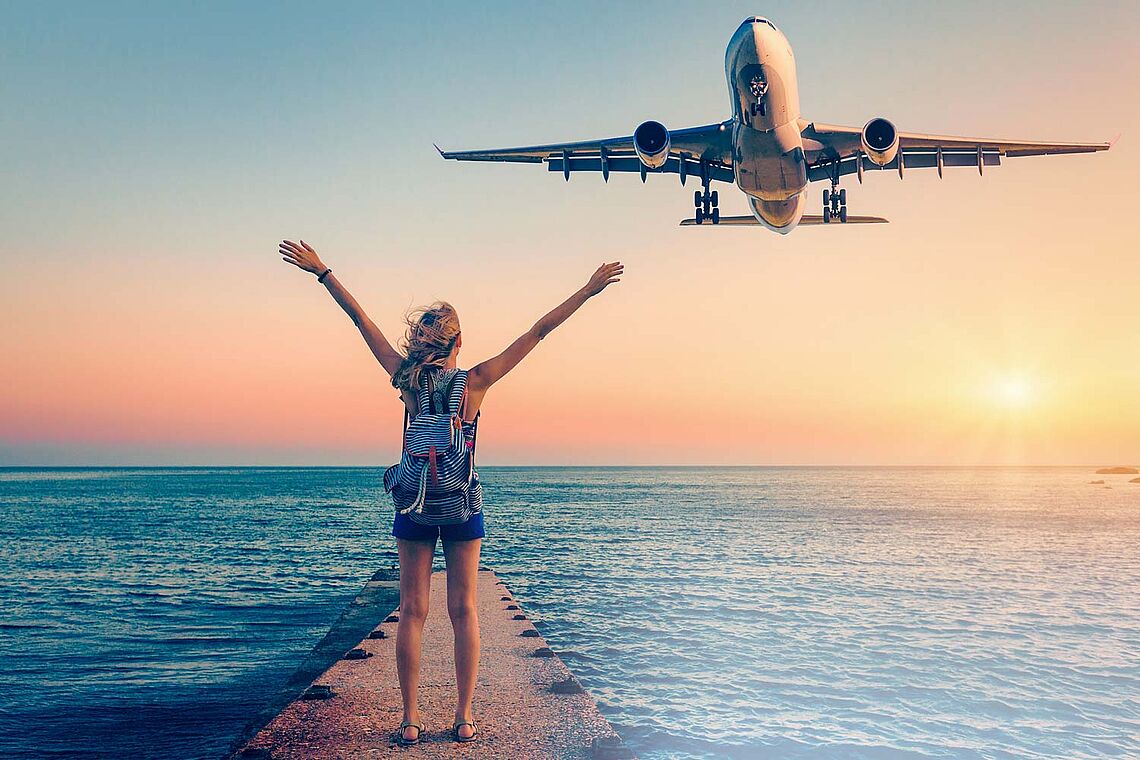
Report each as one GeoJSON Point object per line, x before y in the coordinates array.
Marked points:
{"type": "Point", "coordinates": [404, 527]}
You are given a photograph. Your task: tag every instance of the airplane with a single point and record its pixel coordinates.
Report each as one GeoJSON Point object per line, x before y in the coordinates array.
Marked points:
{"type": "Point", "coordinates": [767, 149]}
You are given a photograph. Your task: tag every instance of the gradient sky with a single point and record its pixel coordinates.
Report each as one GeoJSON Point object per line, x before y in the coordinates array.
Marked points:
{"type": "Point", "coordinates": [154, 154]}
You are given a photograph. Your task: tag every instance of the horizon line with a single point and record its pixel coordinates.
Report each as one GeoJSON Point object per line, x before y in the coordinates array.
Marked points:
{"type": "Point", "coordinates": [533, 466]}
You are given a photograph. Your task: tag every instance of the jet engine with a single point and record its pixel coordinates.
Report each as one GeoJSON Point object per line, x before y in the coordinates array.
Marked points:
{"type": "Point", "coordinates": [880, 141]}
{"type": "Point", "coordinates": [651, 143]}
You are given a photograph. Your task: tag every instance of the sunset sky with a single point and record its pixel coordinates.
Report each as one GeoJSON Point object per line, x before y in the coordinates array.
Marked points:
{"type": "Point", "coordinates": [153, 156]}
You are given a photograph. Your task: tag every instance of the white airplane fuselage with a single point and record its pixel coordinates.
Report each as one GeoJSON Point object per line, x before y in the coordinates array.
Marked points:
{"type": "Point", "coordinates": [766, 143]}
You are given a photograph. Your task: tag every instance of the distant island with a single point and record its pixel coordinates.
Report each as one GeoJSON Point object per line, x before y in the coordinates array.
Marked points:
{"type": "Point", "coordinates": [1118, 471]}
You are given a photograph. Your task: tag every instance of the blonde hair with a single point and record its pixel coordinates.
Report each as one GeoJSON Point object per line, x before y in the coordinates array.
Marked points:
{"type": "Point", "coordinates": [431, 337]}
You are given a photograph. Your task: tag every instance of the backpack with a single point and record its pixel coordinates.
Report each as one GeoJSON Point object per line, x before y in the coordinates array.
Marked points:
{"type": "Point", "coordinates": [435, 482]}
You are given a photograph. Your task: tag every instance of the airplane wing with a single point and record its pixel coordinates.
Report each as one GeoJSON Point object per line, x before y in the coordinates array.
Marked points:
{"type": "Point", "coordinates": [833, 144]}
{"type": "Point", "coordinates": [807, 219]}
{"type": "Point", "coordinates": [710, 145]}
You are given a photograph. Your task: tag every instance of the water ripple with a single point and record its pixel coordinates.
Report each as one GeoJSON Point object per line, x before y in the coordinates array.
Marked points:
{"type": "Point", "coordinates": [713, 613]}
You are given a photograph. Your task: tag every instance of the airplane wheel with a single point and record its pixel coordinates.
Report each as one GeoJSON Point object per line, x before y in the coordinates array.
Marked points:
{"type": "Point", "coordinates": [826, 198]}
{"type": "Point", "coordinates": [700, 216]}
{"type": "Point", "coordinates": [843, 196]}
{"type": "Point", "coordinates": [715, 199]}
{"type": "Point", "coordinates": [826, 214]}
{"type": "Point", "coordinates": [716, 216]}
{"type": "Point", "coordinates": [843, 214]}
{"type": "Point", "coordinates": [697, 198]}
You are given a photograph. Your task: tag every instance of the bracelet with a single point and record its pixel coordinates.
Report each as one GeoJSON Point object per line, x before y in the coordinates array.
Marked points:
{"type": "Point", "coordinates": [321, 279]}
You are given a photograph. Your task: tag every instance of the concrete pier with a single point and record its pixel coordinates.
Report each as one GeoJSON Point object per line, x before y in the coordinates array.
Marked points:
{"type": "Point", "coordinates": [527, 702]}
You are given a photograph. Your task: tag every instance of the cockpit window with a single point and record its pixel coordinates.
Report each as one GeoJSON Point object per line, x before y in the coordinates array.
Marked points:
{"type": "Point", "coordinates": [759, 20]}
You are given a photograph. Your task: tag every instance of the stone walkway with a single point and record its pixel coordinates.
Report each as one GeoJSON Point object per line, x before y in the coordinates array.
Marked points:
{"type": "Point", "coordinates": [527, 706]}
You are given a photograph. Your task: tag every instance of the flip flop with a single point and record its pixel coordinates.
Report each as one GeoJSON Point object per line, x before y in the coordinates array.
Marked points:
{"type": "Point", "coordinates": [409, 742]}
{"type": "Point", "coordinates": [455, 731]}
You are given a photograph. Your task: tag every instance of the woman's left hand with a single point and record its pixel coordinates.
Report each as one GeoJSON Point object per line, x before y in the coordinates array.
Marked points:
{"type": "Point", "coordinates": [302, 256]}
{"type": "Point", "coordinates": [606, 274]}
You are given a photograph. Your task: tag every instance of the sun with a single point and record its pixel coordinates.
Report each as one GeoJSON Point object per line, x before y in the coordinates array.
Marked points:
{"type": "Point", "coordinates": [1013, 391]}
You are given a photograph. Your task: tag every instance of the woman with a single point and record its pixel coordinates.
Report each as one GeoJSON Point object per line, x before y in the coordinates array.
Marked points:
{"type": "Point", "coordinates": [432, 345]}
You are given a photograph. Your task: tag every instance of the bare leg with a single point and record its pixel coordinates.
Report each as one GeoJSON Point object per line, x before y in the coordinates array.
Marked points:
{"type": "Point", "coordinates": [462, 573]}
{"type": "Point", "coordinates": [415, 590]}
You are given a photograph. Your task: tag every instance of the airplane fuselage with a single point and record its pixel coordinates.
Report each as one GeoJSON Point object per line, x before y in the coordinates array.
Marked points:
{"type": "Point", "coordinates": [768, 155]}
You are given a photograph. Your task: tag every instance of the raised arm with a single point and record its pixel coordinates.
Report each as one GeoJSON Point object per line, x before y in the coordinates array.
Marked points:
{"type": "Point", "coordinates": [486, 374]}
{"type": "Point", "coordinates": [304, 257]}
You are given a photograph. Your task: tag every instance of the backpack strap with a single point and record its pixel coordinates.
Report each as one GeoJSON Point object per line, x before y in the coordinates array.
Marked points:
{"type": "Point", "coordinates": [456, 394]}
{"type": "Point", "coordinates": [423, 393]}
{"type": "Point", "coordinates": [474, 437]}
{"type": "Point", "coordinates": [457, 398]}
{"type": "Point", "coordinates": [423, 405]}
{"type": "Point", "coordinates": [404, 437]}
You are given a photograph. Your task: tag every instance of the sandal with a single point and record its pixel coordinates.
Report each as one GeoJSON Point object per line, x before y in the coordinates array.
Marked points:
{"type": "Point", "coordinates": [474, 733]}
{"type": "Point", "coordinates": [403, 742]}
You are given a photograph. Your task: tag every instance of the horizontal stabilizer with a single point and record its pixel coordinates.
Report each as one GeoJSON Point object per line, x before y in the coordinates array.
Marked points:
{"type": "Point", "coordinates": [808, 219]}
{"type": "Point", "coordinates": [852, 219]}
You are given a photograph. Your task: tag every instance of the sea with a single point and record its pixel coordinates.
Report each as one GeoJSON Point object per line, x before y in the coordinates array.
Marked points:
{"type": "Point", "coordinates": [735, 612]}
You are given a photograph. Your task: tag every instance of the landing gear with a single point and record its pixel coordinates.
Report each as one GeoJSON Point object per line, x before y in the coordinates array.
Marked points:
{"type": "Point", "coordinates": [706, 202]}
{"type": "Point", "coordinates": [835, 202]}
{"type": "Point", "coordinates": [713, 216]}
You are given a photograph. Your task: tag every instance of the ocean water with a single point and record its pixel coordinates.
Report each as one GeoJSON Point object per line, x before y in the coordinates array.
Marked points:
{"type": "Point", "coordinates": [712, 612]}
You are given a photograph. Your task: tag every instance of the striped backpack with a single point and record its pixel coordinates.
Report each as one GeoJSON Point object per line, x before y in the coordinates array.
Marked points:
{"type": "Point", "coordinates": [435, 482]}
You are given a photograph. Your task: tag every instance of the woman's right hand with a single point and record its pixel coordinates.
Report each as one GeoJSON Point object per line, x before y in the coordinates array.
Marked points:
{"type": "Point", "coordinates": [606, 274]}
{"type": "Point", "coordinates": [301, 256]}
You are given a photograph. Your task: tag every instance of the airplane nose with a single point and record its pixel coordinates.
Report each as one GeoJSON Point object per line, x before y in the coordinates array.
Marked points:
{"type": "Point", "coordinates": [750, 31]}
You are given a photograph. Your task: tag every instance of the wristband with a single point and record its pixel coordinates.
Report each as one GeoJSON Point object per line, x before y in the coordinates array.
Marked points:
{"type": "Point", "coordinates": [321, 279]}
